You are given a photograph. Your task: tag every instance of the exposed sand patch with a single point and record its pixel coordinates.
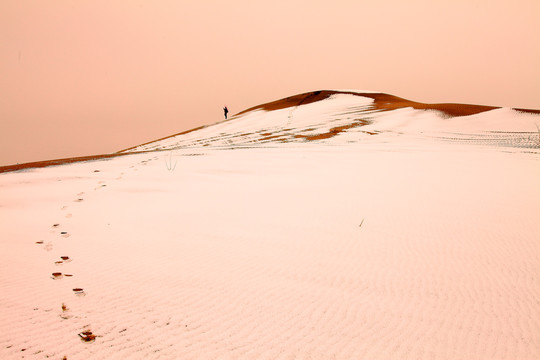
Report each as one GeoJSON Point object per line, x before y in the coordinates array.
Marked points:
{"type": "Point", "coordinates": [383, 102]}
{"type": "Point", "coordinates": [46, 163]}
{"type": "Point", "coordinates": [333, 131]}
{"type": "Point", "coordinates": [528, 111]}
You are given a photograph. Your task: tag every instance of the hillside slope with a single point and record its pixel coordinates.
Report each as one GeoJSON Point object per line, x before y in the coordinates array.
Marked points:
{"type": "Point", "coordinates": [323, 115]}
{"type": "Point", "coordinates": [354, 115]}
{"type": "Point", "coordinates": [332, 225]}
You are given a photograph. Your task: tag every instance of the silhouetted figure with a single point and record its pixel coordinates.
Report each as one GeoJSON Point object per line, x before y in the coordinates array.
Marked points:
{"type": "Point", "coordinates": [226, 111]}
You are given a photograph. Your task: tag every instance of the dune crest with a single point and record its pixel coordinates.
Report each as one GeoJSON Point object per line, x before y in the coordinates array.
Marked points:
{"type": "Point", "coordinates": [381, 101]}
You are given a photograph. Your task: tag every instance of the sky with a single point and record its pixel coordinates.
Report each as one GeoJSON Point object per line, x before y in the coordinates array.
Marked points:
{"type": "Point", "coordinates": [85, 77]}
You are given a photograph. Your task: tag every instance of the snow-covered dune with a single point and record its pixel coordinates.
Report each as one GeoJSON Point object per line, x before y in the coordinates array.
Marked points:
{"type": "Point", "coordinates": [322, 115]}
{"type": "Point", "coordinates": [327, 225]}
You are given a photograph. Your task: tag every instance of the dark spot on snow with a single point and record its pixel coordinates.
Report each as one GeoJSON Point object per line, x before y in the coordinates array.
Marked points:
{"type": "Point", "coordinates": [87, 336]}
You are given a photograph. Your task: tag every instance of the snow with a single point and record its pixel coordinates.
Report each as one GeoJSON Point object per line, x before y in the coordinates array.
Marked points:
{"type": "Point", "coordinates": [292, 125]}
{"type": "Point", "coordinates": [407, 244]}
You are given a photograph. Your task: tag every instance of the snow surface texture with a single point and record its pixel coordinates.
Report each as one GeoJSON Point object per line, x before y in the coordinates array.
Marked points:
{"type": "Point", "coordinates": [418, 242]}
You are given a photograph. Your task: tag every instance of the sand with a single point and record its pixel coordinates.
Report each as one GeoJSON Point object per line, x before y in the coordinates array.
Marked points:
{"type": "Point", "coordinates": [381, 101]}
{"type": "Point", "coordinates": [419, 242]}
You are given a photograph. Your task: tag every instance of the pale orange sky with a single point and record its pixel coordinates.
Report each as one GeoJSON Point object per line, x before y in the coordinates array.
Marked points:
{"type": "Point", "coordinates": [82, 77]}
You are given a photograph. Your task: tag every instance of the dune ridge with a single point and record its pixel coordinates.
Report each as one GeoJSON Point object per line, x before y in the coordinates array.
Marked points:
{"type": "Point", "coordinates": [381, 101]}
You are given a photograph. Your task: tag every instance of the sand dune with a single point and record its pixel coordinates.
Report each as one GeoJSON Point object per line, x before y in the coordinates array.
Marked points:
{"type": "Point", "coordinates": [355, 115]}
{"type": "Point", "coordinates": [381, 101]}
{"type": "Point", "coordinates": [396, 234]}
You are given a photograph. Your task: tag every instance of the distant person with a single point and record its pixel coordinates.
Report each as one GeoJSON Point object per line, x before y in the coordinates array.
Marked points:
{"type": "Point", "coordinates": [226, 111]}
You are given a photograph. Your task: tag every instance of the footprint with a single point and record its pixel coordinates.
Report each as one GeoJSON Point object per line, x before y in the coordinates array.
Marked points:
{"type": "Point", "coordinates": [66, 312]}
{"type": "Point", "coordinates": [79, 292]}
{"type": "Point", "coordinates": [87, 336]}
{"type": "Point", "coordinates": [81, 193]}
{"type": "Point", "coordinates": [65, 259]}
{"type": "Point", "coordinates": [56, 276]}
{"type": "Point", "coordinates": [48, 246]}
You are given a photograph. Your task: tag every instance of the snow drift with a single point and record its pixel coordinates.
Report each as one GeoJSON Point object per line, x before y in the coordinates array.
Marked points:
{"type": "Point", "coordinates": [333, 224]}
{"type": "Point", "coordinates": [322, 115]}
